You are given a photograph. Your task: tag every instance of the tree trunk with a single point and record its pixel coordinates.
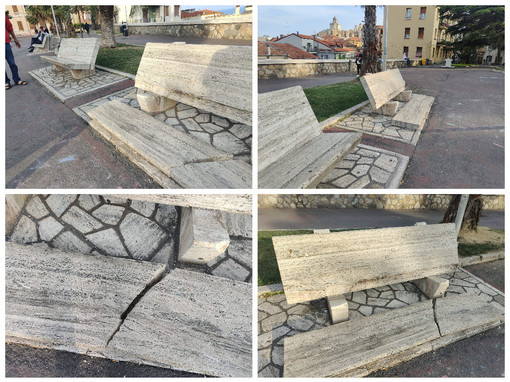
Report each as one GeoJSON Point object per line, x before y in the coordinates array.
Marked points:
{"type": "Point", "coordinates": [70, 29]}
{"type": "Point", "coordinates": [472, 214]}
{"type": "Point", "coordinates": [370, 63]}
{"type": "Point", "coordinates": [107, 34]}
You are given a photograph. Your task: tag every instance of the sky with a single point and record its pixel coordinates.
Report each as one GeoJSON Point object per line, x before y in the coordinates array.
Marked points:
{"type": "Point", "coordinates": [276, 20]}
{"type": "Point", "coordinates": [220, 8]}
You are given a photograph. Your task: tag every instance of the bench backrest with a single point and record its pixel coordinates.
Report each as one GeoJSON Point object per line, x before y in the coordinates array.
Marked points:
{"type": "Point", "coordinates": [383, 86]}
{"type": "Point", "coordinates": [214, 78]}
{"type": "Point", "coordinates": [286, 120]}
{"type": "Point", "coordinates": [81, 50]}
{"type": "Point", "coordinates": [319, 265]}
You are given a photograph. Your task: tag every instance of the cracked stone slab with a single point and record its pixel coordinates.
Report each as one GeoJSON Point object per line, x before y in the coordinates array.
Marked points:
{"type": "Point", "coordinates": [356, 348]}
{"type": "Point", "coordinates": [192, 322]}
{"type": "Point", "coordinates": [69, 301]}
{"type": "Point", "coordinates": [319, 265]}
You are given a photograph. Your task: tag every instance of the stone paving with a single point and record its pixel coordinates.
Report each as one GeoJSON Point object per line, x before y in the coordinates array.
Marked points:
{"type": "Point", "coordinates": [119, 227]}
{"type": "Point", "coordinates": [64, 86]}
{"type": "Point", "coordinates": [366, 122]}
{"type": "Point", "coordinates": [367, 167]}
{"type": "Point", "coordinates": [222, 133]}
{"type": "Point", "coordinates": [277, 319]}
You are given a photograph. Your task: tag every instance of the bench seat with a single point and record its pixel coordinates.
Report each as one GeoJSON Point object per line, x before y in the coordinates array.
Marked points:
{"type": "Point", "coordinates": [172, 157]}
{"type": "Point", "coordinates": [358, 347]}
{"type": "Point", "coordinates": [414, 114]}
{"type": "Point", "coordinates": [320, 265]}
{"type": "Point", "coordinates": [305, 166]}
{"type": "Point", "coordinates": [66, 63]}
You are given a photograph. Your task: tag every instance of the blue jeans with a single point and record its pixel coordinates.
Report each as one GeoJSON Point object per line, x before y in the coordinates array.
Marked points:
{"type": "Point", "coordinates": [10, 60]}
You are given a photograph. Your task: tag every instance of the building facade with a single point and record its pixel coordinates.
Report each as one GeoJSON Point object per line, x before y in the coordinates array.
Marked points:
{"type": "Point", "coordinates": [417, 31]}
{"type": "Point", "coordinates": [19, 21]}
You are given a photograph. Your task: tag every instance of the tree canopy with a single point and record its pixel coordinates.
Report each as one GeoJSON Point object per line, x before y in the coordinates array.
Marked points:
{"type": "Point", "coordinates": [473, 27]}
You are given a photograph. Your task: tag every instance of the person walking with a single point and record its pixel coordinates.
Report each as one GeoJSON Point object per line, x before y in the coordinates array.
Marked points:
{"type": "Point", "coordinates": [359, 60]}
{"type": "Point", "coordinates": [87, 28]}
{"type": "Point", "coordinates": [9, 56]}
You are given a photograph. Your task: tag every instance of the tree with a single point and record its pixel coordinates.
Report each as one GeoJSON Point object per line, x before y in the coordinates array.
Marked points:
{"type": "Point", "coordinates": [370, 62]}
{"type": "Point", "coordinates": [472, 214]}
{"type": "Point", "coordinates": [93, 16]}
{"type": "Point", "coordinates": [106, 13]}
{"type": "Point", "coordinates": [474, 27]}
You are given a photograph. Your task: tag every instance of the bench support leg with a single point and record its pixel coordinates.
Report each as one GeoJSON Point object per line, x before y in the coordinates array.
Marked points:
{"type": "Point", "coordinates": [338, 309]}
{"type": "Point", "coordinates": [59, 68]}
{"type": "Point", "coordinates": [389, 108]}
{"type": "Point", "coordinates": [404, 96]}
{"type": "Point", "coordinates": [79, 74]}
{"type": "Point", "coordinates": [152, 103]}
{"type": "Point", "coordinates": [433, 286]}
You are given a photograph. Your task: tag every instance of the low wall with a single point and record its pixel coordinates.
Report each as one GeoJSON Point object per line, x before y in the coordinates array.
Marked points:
{"type": "Point", "coordinates": [271, 69]}
{"type": "Point", "coordinates": [229, 30]}
{"type": "Point", "coordinates": [392, 201]}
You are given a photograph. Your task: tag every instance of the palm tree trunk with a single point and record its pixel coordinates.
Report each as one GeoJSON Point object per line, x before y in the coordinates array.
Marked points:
{"type": "Point", "coordinates": [370, 63]}
{"type": "Point", "coordinates": [472, 214]}
{"type": "Point", "coordinates": [107, 35]}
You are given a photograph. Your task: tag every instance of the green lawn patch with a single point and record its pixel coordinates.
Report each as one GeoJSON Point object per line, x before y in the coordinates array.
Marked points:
{"type": "Point", "coordinates": [473, 249]}
{"type": "Point", "coordinates": [268, 267]}
{"type": "Point", "coordinates": [329, 100]}
{"type": "Point", "coordinates": [124, 58]}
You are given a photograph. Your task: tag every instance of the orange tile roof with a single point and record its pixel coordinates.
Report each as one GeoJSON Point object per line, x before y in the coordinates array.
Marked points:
{"type": "Point", "coordinates": [282, 49]}
{"type": "Point", "coordinates": [185, 15]}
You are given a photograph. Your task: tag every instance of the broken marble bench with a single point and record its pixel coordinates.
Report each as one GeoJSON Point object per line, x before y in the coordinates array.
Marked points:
{"type": "Point", "coordinates": [330, 264]}
{"type": "Point", "coordinates": [385, 90]}
{"type": "Point", "coordinates": [293, 150]}
{"type": "Point", "coordinates": [213, 78]}
{"type": "Point", "coordinates": [77, 55]}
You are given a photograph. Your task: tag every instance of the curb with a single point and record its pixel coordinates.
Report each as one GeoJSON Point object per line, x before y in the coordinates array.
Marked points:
{"type": "Point", "coordinates": [478, 259]}
{"type": "Point", "coordinates": [117, 72]}
{"type": "Point", "coordinates": [334, 119]}
{"type": "Point", "coordinates": [269, 289]}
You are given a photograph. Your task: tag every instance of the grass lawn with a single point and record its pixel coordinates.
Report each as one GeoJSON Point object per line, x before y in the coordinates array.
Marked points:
{"type": "Point", "coordinates": [124, 58]}
{"type": "Point", "coordinates": [329, 100]}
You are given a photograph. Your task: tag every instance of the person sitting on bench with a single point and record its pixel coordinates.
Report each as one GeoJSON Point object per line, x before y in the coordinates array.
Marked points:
{"type": "Point", "coordinates": [38, 39]}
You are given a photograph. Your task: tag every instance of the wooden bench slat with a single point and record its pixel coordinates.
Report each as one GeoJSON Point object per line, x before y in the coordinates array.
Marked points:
{"type": "Point", "coordinates": [215, 78]}
{"type": "Point", "coordinates": [358, 347]}
{"type": "Point", "coordinates": [306, 166]}
{"type": "Point", "coordinates": [321, 265]}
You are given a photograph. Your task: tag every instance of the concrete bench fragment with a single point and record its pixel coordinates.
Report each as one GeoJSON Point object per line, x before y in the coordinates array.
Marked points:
{"type": "Point", "coordinates": [69, 301]}
{"type": "Point", "coordinates": [77, 55]}
{"type": "Point", "coordinates": [215, 78]}
{"type": "Point", "coordinates": [358, 347]}
{"type": "Point", "coordinates": [293, 150]}
{"type": "Point", "coordinates": [193, 322]}
{"type": "Point", "coordinates": [203, 236]}
{"type": "Point", "coordinates": [317, 266]}
{"type": "Point", "coordinates": [170, 156]}
{"type": "Point", "coordinates": [382, 87]}
{"type": "Point", "coordinates": [415, 113]}
{"type": "Point", "coordinates": [432, 286]}
{"type": "Point", "coordinates": [45, 44]}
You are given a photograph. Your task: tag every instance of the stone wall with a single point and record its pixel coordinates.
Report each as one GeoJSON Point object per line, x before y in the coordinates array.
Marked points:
{"type": "Point", "coordinates": [391, 201]}
{"type": "Point", "coordinates": [230, 30]}
{"type": "Point", "coordinates": [271, 69]}
{"type": "Point", "coordinates": [119, 227]}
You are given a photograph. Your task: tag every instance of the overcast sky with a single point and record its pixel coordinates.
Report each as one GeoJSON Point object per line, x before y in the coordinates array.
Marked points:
{"type": "Point", "coordinates": [276, 20]}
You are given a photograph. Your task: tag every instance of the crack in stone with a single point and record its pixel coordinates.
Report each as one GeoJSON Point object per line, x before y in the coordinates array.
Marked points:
{"type": "Point", "coordinates": [435, 317]}
{"type": "Point", "coordinates": [160, 275]}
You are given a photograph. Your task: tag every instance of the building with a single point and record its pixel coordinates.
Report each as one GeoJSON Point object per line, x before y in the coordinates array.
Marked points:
{"type": "Point", "coordinates": [19, 22]}
{"type": "Point", "coordinates": [335, 29]}
{"type": "Point", "coordinates": [311, 44]}
{"type": "Point", "coordinates": [273, 50]}
{"type": "Point", "coordinates": [416, 31]}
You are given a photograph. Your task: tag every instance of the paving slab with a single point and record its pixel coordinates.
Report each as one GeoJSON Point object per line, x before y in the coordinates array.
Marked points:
{"type": "Point", "coordinates": [69, 301]}
{"type": "Point", "coordinates": [316, 266]}
{"type": "Point", "coordinates": [191, 322]}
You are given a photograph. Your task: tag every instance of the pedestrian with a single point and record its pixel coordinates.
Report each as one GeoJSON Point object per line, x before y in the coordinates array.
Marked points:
{"type": "Point", "coordinates": [37, 39]}
{"type": "Point", "coordinates": [359, 60]}
{"type": "Point", "coordinates": [87, 28]}
{"type": "Point", "coordinates": [406, 59]}
{"type": "Point", "coordinates": [9, 32]}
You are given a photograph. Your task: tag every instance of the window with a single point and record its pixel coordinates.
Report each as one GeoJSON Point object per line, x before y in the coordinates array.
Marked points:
{"type": "Point", "coordinates": [433, 52]}
{"type": "Point", "coordinates": [407, 33]}
{"type": "Point", "coordinates": [423, 12]}
{"type": "Point", "coordinates": [421, 31]}
{"type": "Point", "coordinates": [418, 51]}
{"type": "Point", "coordinates": [408, 13]}
{"type": "Point", "coordinates": [15, 8]}
{"type": "Point", "coordinates": [166, 10]}
{"type": "Point", "coordinates": [20, 26]}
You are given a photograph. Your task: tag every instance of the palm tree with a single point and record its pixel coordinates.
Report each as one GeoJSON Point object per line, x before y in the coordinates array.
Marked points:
{"type": "Point", "coordinates": [471, 215]}
{"type": "Point", "coordinates": [370, 62]}
{"type": "Point", "coordinates": [106, 13]}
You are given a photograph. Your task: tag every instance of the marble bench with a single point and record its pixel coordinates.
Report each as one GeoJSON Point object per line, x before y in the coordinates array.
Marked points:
{"type": "Point", "coordinates": [330, 265]}
{"type": "Point", "coordinates": [214, 78]}
{"type": "Point", "coordinates": [45, 44]}
{"type": "Point", "coordinates": [293, 150]}
{"type": "Point", "coordinates": [77, 55]}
